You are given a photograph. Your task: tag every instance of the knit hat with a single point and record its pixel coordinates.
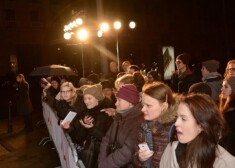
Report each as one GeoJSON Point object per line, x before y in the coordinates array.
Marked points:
{"type": "Point", "coordinates": [43, 81]}
{"type": "Point", "coordinates": [184, 57]}
{"type": "Point", "coordinates": [200, 87]}
{"type": "Point", "coordinates": [94, 90]}
{"type": "Point", "coordinates": [93, 78]}
{"type": "Point", "coordinates": [54, 78]}
{"type": "Point", "coordinates": [231, 82]}
{"type": "Point", "coordinates": [135, 67]}
{"type": "Point", "coordinates": [129, 93]}
{"type": "Point", "coordinates": [106, 84]}
{"type": "Point", "coordinates": [154, 74]}
{"type": "Point", "coordinates": [211, 65]}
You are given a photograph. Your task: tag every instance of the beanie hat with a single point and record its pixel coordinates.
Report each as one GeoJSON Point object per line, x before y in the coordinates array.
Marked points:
{"type": "Point", "coordinates": [231, 82]}
{"type": "Point", "coordinates": [184, 57]}
{"type": "Point", "coordinates": [93, 78]}
{"type": "Point", "coordinates": [94, 90]}
{"type": "Point", "coordinates": [211, 65]}
{"type": "Point", "coordinates": [200, 87]}
{"type": "Point", "coordinates": [154, 74]}
{"type": "Point", "coordinates": [129, 93]}
{"type": "Point", "coordinates": [106, 84]}
{"type": "Point", "coordinates": [54, 78]}
{"type": "Point", "coordinates": [43, 81]}
{"type": "Point", "coordinates": [135, 67]}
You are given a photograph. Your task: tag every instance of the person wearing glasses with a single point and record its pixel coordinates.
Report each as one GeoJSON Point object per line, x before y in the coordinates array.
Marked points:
{"type": "Point", "coordinates": [230, 69]}
{"type": "Point", "coordinates": [69, 101]}
{"type": "Point", "coordinates": [183, 77]}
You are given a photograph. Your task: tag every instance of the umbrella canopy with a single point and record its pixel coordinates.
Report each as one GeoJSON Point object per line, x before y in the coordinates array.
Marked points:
{"type": "Point", "coordinates": [53, 70]}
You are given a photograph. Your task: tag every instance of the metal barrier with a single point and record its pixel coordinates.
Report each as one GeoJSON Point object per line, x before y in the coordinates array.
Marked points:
{"type": "Point", "coordinates": [63, 143]}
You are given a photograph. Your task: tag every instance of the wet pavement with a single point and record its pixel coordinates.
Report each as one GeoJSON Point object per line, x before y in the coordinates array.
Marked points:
{"type": "Point", "coordinates": [22, 150]}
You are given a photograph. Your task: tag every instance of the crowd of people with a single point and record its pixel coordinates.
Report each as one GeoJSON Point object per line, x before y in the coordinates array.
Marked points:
{"type": "Point", "coordinates": [185, 123]}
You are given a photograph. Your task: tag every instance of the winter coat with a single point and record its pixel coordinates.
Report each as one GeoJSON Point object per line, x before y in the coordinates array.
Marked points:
{"type": "Point", "coordinates": [181, 83]}
{"type": "Point", "coordinates": [24, 105]}
{"type": "Point", "coordinates": [62, 108]}
{"type": "Point", "coordinates": [50, 95]}
{"type": "Point", "coordinates": [214, 80]}
{"type": "Point", "coordinates": [101, 123]}
{"type": "Point", "coordinates": [128, 125]}
{"type": "Point", "coordinates": [160, 139]}
{"type": "Point", "coordinates": [228, 139]}
{"type": "Point", "coordinates": [223, 158]}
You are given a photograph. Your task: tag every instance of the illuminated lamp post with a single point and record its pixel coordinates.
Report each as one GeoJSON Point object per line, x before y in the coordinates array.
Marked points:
{"type": "Point", "coordinates": [117, 25]}
{"type": "Point", "coordinates": [82, 36]}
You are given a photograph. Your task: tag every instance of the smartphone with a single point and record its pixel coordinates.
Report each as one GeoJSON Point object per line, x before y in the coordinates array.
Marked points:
{"type": "Point", "coordinates": [144, 146]}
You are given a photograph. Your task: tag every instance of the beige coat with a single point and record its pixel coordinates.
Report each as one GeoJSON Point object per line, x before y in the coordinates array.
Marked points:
{"type": "Point", "coordinates": [223, 159]}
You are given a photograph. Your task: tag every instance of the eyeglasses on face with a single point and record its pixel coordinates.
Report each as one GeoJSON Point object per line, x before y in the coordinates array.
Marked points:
{"type": "Point", "coordinates": [231, 69]}
{"type": "Point", "coordinates": [65, 91]}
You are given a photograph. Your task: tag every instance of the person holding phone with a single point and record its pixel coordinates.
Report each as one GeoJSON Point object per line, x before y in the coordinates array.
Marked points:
{"type": "Point", "coordinates": [159, 109]}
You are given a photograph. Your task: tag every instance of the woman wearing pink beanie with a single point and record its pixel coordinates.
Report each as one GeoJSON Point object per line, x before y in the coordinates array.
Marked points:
{"type": "Point", "coordinates": [117, 146]}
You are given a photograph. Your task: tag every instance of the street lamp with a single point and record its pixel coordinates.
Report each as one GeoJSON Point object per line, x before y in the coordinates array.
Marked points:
{"type": "Point", "coordinates": [104, 27]}
{"type": "Point", "coordinates": [82, 36]}
{"type": "Point", "coordinates": [132, 24]}
{"type": "Point", "coordinates": [117, 25]}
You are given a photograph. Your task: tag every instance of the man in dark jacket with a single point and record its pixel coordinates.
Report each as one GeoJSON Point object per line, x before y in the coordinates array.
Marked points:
{"type": "Point", "coordinates": [183, 78]}
{"type": "Point", "coordinates": [211, 77]}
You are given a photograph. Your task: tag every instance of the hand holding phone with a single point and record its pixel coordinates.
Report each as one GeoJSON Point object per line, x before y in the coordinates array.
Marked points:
{"type": "Point", "coordinates": [144, 146]}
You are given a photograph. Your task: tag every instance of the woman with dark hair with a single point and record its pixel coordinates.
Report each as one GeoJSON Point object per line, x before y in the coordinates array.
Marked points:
{"type": "Point", "coordinates": [159, 109]}
{"type": "Point", "coordinates": [227, 101]}
{"type": "Point", "coordinates": [199, 126]}
{"type": "Point", "coordinates": [227, 108]}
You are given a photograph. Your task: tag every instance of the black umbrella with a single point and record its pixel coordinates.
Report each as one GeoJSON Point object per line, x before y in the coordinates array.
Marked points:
{"type": "Point", "coordinates": [53, 70]}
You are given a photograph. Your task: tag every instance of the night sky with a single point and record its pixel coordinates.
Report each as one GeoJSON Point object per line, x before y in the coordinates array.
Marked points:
{"type": "Point", "coordinates": [203, 28]}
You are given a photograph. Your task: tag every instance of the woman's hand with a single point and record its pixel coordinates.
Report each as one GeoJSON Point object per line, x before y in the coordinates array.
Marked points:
{"type": "Point", "coordinates": [87, 122]}
{"type": "Point", "coordinates": [65, 125]}
{"type": "Point", "coordinates": [144, 154]}
{"type": "Point", "coordinates": [109, 111]}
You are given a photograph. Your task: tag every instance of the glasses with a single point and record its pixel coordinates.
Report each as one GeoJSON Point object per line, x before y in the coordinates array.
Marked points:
{"type": "Point", "coordinates": [231, 69]}
{"type": "Point", "coordinates": [178, 62]}
{"type": "Point", "coordinates": [65, 91]}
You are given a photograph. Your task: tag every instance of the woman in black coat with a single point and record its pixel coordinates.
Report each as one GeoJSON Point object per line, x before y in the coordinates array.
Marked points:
{"type": "Point", "coordinates": [92, 125]}
{"type": "Point", "coordinates": [24, 106]}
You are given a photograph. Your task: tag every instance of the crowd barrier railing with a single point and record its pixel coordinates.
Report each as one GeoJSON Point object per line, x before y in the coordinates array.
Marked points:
{"type": "Point", "coordinates": [62, 141]}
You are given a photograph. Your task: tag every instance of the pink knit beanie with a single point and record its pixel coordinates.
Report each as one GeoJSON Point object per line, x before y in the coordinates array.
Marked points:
{"type": "Point", "coordinates": [129, 93]}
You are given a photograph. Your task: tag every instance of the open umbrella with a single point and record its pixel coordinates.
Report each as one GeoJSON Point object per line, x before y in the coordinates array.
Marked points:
{"type": "Point", "coordinates": [53, 70]}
